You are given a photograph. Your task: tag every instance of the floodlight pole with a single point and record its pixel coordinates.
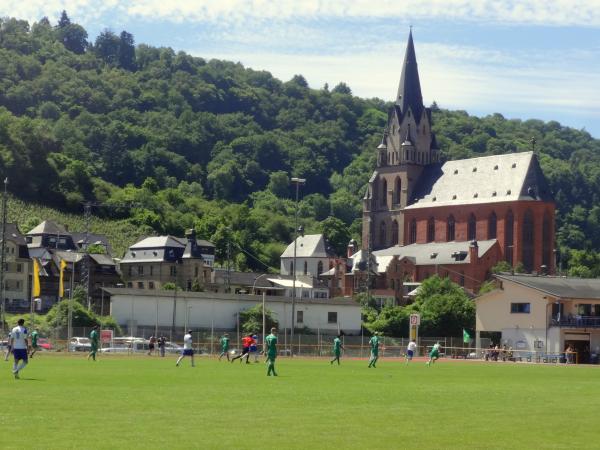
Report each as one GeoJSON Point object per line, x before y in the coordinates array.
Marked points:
{"type": "Point", "coordinates": [3, 255]}
{"type": "Point", "coordinates": [297, 182]}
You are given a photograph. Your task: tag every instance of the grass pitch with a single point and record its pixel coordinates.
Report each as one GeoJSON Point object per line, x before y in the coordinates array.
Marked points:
{"type": "Point", "coordinates": [146, 402]}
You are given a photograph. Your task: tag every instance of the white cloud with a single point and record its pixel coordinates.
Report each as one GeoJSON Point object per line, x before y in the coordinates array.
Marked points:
{"type": "Point", "coordinates": [527, 12]}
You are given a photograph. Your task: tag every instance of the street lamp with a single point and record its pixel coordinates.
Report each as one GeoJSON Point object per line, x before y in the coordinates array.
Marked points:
{"type": "Point", "coordinates": [298, 182]}
{"type": "Point", "coordinates": [264, 318]}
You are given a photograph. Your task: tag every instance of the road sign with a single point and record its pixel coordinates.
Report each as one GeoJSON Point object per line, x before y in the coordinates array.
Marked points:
{"type": "Point", "coordinates": [415, 319]}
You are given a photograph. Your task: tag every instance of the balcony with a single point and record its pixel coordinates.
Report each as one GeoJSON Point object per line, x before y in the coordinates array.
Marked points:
{"type": "Point", "coordinates": [576, 322]}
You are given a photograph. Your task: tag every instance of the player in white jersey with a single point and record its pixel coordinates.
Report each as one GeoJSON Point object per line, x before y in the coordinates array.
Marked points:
{"type": "Point", "coordinates": [19, 340]}
{"type": "Point", "coordinates": [410, 350]}
{"type": "Point", "coordinates": [187, 348]}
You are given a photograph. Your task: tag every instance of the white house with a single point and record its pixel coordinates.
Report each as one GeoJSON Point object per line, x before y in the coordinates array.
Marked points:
{"type": "Point", "coordinates": [150, 308]}
{"type": "Point", "coordinates": [542, 313]}
{"type": "Point", "coordinates": [312, 256]}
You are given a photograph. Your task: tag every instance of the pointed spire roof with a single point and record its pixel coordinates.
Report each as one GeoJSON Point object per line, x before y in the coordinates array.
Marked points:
{"type": "Point", "coordinates": [409, 90]}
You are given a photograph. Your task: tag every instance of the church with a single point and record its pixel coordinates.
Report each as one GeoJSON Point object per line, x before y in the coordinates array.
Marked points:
{"type": "Point", "coordinates": [453, 218]}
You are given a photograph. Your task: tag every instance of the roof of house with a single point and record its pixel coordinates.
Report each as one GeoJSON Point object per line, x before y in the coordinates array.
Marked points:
{"type": "Point", "coordinates": [431, 253]}
{"type": "Point", "coordinates": [582, 288]}
{"type": "Point", "coordinates": [103, 260]}
{"type": "Point", "coordinates": [93, 238]}
{"type": "Point", "coordinates": [219, 276]}
{"type": "Point", "coordinates": [49, 227]}
{"type": "Point", "coordinates": [159, 242]}
{"type": "Point", "coordinates": [488, 179]}
{"type": "Point", "coordinates": [13, 234]}
{"type": "Point", "coordinates": [68, 256]}
{"type": "Point", "coordinates": [308, 246]}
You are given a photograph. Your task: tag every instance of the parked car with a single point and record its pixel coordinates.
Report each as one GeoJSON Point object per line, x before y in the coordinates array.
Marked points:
{"type": "Point", "coordinates": [171, 347]}
{"type": "Point", "coordinates": [80, 344]}
{"type": "Point", "coordinates": [120, 349]}
{"type": "Point", "coordinates": [45, 344]}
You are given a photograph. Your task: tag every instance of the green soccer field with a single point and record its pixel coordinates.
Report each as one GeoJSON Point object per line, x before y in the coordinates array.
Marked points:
{"type": "Point", "coordinates": [146, 402]}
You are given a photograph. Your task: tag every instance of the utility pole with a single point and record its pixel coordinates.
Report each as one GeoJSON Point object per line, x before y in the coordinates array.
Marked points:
{"type": "Point", "coordinates": [3, 253]}
{"type": "Point", "coordinates": [228, 275]}
{"type": "Point", "coordinates": [85, 262]}
{"type": "Point", "coordinates": [298, 182]}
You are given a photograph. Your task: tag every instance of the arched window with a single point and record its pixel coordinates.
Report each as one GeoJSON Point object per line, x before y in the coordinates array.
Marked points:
{"type": "Point", "coordinates": [450, 225]}
{"type": "Point", "coordinates": [382, 241]}
{"type": "Point", "coordinates": [431, 229]}
{"type": "Point", "coordinates": [546, 241]}
{"type": "Point", "coordinates": [305, 267]}
{"type": "Point", "coordinates": [492, 225]}
{"type": "Point", "coordinates": [383, 192]}
{"type": "Point", "coordinates": [528, 236]}
{"type": "Point", "coordinates": [394, 232]}
{"type": "Point", "coordinates": [509, 236]}
{"type": "Point", "coordinates": [291, 267]}
{"type": "Point", "coordinates": [412, 233]}
{"type": "Point", "coordinates": [397, 190]}
{"type": "Point", "coordinates": [320, 268]}
{"type": "Point", "coordinates": [472, 228]}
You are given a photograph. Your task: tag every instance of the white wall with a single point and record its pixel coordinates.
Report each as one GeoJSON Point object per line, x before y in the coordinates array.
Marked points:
{"type": "Point", "coordinates": [206, 309]}
{"type": "Point", "coordinates": [312, 266]}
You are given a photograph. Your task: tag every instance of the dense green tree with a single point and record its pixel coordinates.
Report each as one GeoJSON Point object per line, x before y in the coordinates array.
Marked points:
{"type": "Point", "coordinates": [251, 320]}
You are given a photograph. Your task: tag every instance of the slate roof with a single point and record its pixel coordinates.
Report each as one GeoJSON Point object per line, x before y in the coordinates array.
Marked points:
{"type": "Point", "coordinates": [580, 288]}
{"type": "Point", "coordinates": [12, 233]}
{"type": "Point", "coordinates": [308, 246]}
{"type": "Point", "coordinates": [49, 227]}
{"type": "Point", "coordinates": [79, 239]}
{"type": "Point", "coordinates": [409, 91]}
{"type": "Point", "coordinates": [159, 242]}
{"type": "Point", "coordinates": [421, 254]}
{"type": "Point", "coordinates": [488, 179]}
{"type": "Point", "coordinates": [103, 260]}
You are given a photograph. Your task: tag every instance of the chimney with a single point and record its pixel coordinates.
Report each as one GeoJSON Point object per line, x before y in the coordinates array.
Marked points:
{"type": "Point", "coordinates": [191, 234]}
{"type": "Point", "coordinates": [352, 248]}
{"type": "Point", "coordinates": [473, 252]}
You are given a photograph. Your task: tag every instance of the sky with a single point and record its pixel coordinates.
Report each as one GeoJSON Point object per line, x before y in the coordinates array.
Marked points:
{"type": "Point", "coordinates": [536, 59]}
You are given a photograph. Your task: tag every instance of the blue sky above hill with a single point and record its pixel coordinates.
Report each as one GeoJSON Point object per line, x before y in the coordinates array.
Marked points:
{"type": "Point", "coordinates": [523, 59]}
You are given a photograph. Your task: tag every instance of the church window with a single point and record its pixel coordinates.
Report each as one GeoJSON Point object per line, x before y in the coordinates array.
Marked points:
{"type": "Point", "coordinates": [431, 230]}
{"type": "Point", "coordinates": [382, 234]}
{"type": "Point", "coordinates": [472, 228]}
{"type": "Point", "coordinates": [509, 222]}
{"type": "Point", "coordinates": [394, 232]}
{"type": "Point", "coordinates": [292, 267]}
{"type": "Point", "coordinates": [320, 268]}
{"type": "Point", "coordinates": [412, 234]}
{"type": "Point", "coordinates": [450, 228]}
{"type": "Point", "coordinates": [528, 236]}
{"type": "Point", "coordinates": [546, 241]}
{"type": "Point", "coordinates": [383, 192]}
{"type": "Point", "coordinates": [492, 225]}
{"type": "Point", "coordinates": [305, 267]}
{"type": "Point", "coordinates": [397, 190]}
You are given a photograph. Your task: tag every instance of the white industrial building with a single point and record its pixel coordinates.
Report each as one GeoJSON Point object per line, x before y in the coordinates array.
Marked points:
{"type": "Point", "coordinates": [150, 308]}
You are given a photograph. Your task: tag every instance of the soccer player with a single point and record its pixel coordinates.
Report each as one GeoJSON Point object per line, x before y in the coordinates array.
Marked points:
{"type": "Point", "coordinates": [151, 344]}
{"type": "Point", "coordinates": [337, 349]}
{"type": "Point", "coordinates": [187, 348]}
{"type": "Point", "coordinates": [19, 343]}
{"type": "Point", "coordinates": [8, 347]}
{"type": "Point", "coordinates": [162, 342]}
{"type": "Point", "coordinates": [246, 343]}
{"type": "Point", "coordinates": [271, 350]}
{"type": "Point", "coordinates": [34, 344]}
{"type": "Point", "coordinates": [374, 343]}
{"type": "Point", "coordinates": [434, 353]}
{"type": "Point", "coordinates": [410, 350]}
{"type": "Point", "coordinates": [94, 340]}
{"type": "Point", "coordinates": [224, 346]}
{"type": "Point", "coordinates": [254, 348]}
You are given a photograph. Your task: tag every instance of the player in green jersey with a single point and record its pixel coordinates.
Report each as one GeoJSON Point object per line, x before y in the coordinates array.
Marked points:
{"type": "Point", "coordinates": [94, 340]}
{"type": "Point", "coordinates": [224, 346]}
{"type": "Point", "coordinates": [374, 343]}
{"type": "Point", "coordinates": [34, 343]}
{"type": "Point", "coordinates": [434, 353]}
{"type": "Point", "coordinates": [271, 344]}
{"type": "Point", "coordinates": [337, 349]}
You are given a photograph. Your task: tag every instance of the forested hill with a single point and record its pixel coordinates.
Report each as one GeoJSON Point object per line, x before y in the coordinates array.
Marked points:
{"type": "Point", "coordinates": [212, 145]}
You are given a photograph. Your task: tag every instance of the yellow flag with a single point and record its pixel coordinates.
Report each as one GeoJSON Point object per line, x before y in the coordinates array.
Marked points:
{"type": "Point", "coordinates": [36, 279]}
{"type": "Point", "coordinates": [61, 285]}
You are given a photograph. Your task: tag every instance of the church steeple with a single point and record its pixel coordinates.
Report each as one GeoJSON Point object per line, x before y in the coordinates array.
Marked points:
{"type": "Point", "coordinates": [409, 90]}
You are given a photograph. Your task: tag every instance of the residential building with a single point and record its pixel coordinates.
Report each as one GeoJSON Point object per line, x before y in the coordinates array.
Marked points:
{"type": "Point", "coordinates": [413, 198]}
{"type": "Point", "coordinates": [543, 314]}
{"type": "Point", "coordinates": [157, 260]}
{"type": "Point", "coordinates": [17, 271]}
